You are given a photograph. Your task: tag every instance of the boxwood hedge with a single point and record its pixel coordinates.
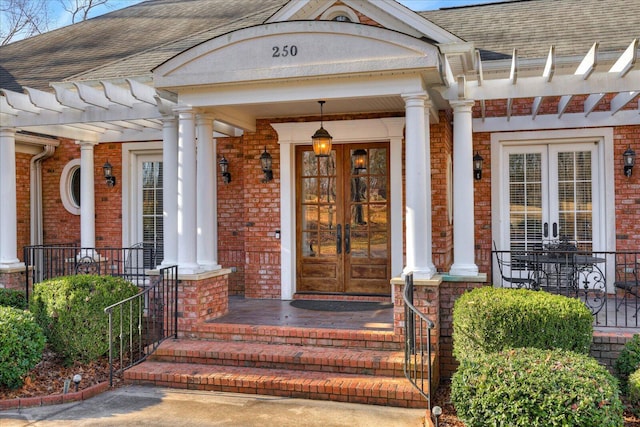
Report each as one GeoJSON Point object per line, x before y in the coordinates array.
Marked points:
{"type": "Point", "coordinates": [633, 391]}
{"type": "Point", "coordinates": [12, 298]}
{"type": "Point", "coordinates": [628, 361]}
{"type": "Point", "coordinates": [489, 319]}
{"type": "Point", "coordinates": [70, 309]}
{"type": "Point", "coordinates": [21, 345]}
{"type": "Point", "coordinates": [533, 387]}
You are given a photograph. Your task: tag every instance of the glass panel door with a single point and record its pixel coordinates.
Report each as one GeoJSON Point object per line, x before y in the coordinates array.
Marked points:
{"type": "Point", "coordinates": [150, 229]}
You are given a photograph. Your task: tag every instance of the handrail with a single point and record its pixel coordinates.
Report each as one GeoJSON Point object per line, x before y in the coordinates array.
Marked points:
{"type": "Point", "coordinates": [143, 321]}
{"type": "Point", "coordinates": [417, 345]}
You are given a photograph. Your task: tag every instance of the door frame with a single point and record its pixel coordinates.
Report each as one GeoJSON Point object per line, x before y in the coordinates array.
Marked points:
{"type": "Point", "coordinates": [604, 177]}
{"type": "Point", "coordinates": [389, 130]}
{"type": "Point", "coordinates": [131, 152]}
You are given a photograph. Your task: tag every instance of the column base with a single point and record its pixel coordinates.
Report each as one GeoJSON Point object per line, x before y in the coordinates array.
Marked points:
{"type": "Point", "coordinates": [419, 273]}
{"type": "Point", "coordinates": [467, 270]}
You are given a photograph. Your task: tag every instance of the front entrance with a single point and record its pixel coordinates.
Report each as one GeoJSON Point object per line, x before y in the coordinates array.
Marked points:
{"type": "Point", "coordinates": [343, 220]}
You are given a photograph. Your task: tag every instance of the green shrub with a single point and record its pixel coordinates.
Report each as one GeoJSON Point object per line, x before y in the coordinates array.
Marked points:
{"type": "Point", "coordinates": [21, 345]}
{"type": "Point", "coordinates": [488, 319]}
{"type": "Point", "coordinates": [71, 311]}
{"type": "Point", "coordinates": [628, 361]}
{"type": "Point", "coordinates": [633, 391]}
{"type": "Point", "coordinates": [533, 387]}
{"type": "Point", "coordinates": [12, 298]}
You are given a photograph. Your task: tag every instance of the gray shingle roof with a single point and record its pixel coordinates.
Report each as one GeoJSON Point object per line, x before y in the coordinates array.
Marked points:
{"type": "Point", "coordinates": [134, 40]}
{"type": "Point", "coordinates": [532, 26]}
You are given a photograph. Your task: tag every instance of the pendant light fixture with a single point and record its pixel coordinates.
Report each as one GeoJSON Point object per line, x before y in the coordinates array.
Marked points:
{"type": "Point", "coordinates": [321, 139]}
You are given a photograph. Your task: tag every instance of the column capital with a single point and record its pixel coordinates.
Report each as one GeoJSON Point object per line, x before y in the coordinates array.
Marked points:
{"type": "Point", "coordinates": [86, 143]}
{"type": "Point", "coordinates": [184, 112]}
{"type": "Point", "coordinates": [7, 131]}
{"type": "Point", "coordinates": [204, 119]}
{"type": "Point", "coordinates": [462, 105]}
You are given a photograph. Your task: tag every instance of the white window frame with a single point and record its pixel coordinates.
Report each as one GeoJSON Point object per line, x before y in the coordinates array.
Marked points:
{"type": "Point", "coordinates": [66, 189]}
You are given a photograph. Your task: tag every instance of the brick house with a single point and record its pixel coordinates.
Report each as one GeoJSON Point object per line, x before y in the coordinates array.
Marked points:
{"type": "Point", "coordinates": [547, 85]}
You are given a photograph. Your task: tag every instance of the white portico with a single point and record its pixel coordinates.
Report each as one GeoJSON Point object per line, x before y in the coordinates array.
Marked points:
{"type": "Point", "coordinates": [292, 65]}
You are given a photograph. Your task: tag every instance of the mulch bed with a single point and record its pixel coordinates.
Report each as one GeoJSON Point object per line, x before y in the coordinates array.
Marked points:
{"type": "Point", "coordinates": [49, 375]}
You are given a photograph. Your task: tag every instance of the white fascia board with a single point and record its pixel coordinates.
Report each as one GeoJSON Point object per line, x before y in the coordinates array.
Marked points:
{"type": "Point", "coordinates": [552, 121]}
{"type": "Point", "coordinates": [389, 13]}
{"type": "Point", "coordinates": [304, 90]}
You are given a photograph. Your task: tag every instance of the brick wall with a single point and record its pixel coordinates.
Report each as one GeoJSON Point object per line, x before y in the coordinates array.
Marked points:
{"type": "Point", "coordinates": [108, 200]}
{"type": "Point", "coordinates": [442, 230]}
{"type": "Point", "coordinates": [627, 190]}
{"type": "Point", "coordinates": [23, 202]}
{"type": "Point", "coordinates": [59, 225]}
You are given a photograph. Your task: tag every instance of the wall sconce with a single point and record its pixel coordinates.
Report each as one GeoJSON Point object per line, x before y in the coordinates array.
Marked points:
{"type": "Point", "coordinates": [477, 166]}
{"type": "Point", "coordinates": [321, 139]}
{"type": "Point", "coordinates": [108, 174]}
{"type": "Point", "coordinates": [359, 159]}
{"type": "Point", "coordinates": [224, 170]}
{"type": "Point", "coordinates": [629, 160]}
{"type": "Point", "coordinates": [266, 161]}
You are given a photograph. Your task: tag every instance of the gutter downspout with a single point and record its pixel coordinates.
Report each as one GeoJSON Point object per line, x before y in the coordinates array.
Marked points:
{"type": "Point", "coordinates": [35, 171]}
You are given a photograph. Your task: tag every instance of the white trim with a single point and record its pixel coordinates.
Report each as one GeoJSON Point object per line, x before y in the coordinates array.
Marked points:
{"type": "Point", "coordinates": [349, 131]}
{"type": "Point", "coordinates": [340, 10]}
{"type": "Point", "coordinates": [65, 187]}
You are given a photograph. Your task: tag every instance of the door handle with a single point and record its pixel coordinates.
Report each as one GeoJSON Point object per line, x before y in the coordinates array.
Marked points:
{"type": "Point", "coordinates": [555, 229]}
{"type": "Point", "coordinates": [347, 239]}
{"type": "Point", "coordinates": [545, 229]}
{"type": "Point", "coordinates": [339, 239]}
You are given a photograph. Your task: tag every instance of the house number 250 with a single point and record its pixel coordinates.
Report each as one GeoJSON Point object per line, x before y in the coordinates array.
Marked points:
{"type": "Point", "coordinates": [286, 50]}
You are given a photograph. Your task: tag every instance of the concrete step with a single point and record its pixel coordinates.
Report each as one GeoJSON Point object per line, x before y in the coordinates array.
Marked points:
{"type": "Point", "coordinates": [342, 338]}
{"type": "Point", "coordinates": [282, 356]}
{"type": "Point", "coordinates": [366, 389]}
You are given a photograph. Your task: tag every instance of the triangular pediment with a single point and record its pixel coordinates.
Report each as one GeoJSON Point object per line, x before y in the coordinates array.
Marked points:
{"type": "Point", "coordinates": [384, 13]}
{"type": "Point", "coordinates": [297, 50]}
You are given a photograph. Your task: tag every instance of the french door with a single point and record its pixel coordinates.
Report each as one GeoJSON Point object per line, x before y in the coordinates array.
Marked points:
{"type": "Point", "coordinates": [551, 195]}
{"type": "Point", "coordinates": [343, 220]}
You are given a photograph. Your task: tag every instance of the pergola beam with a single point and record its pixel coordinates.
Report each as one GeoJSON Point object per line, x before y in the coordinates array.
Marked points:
{"type": "Point", "coordinates": [627, 60]}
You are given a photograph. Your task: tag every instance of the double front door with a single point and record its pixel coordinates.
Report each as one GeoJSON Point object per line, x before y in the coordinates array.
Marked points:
{"type": "Point", "coordinates": [343, 220]}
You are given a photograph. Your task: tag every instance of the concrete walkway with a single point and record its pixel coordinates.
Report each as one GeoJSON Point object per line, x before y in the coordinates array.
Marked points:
{"type": "Point", "coordinates": [138, 406]}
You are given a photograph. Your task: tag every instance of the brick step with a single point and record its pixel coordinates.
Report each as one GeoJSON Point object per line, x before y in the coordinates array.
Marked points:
{"type": "Point", "coordinates": [337, 387]}
{"type": "Point", "coordinates": [282, 356]}
{"type": "Point", "coordinates": [342, 338]}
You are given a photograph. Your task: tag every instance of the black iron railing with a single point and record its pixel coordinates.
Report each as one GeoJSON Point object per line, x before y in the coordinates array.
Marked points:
{"type": "Point", "coordinates": [140, 323]}
{"type": "Point", "coordinates": [607, 282]}
{"type": "Point", "coordinates": [47, 262]}
{"type": "Point", "coordinates": [417, 349]}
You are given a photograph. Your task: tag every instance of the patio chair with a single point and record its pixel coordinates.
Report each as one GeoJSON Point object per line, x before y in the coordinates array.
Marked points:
{"type": "Point", "coordinates": [518, 282]}
{"type": "Point", "coordinates": [628, 281]}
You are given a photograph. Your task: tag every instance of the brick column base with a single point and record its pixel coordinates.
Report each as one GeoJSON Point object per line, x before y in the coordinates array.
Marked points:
{"type": "Point", "coordinates": [13, 278]}
{"type": "Point", "coordinates": [201, 297]}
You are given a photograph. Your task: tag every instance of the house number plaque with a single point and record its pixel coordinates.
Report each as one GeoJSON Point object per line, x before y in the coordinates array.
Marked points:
{"type": "Point", "coordinates": [283, 51]}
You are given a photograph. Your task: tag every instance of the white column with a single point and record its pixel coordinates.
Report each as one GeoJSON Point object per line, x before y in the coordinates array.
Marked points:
{"type": "Point", "coordinates": [207, 195]}
{"type": "Point", "coordinates": [8, 207]}
{"type": "Point", "coordinates": [170, 189]}
{"type": "Point", "coordinates": [187, 262]}
{"type": "Point", "coordinates": [87, 197]}
{"type": "Point", "coordinates": [418, 187]}
{"type": "Point", "coordinates": [463, 202]}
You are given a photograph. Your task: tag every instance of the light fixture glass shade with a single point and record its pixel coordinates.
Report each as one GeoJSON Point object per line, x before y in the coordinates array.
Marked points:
{"type": "Point", "coordinates": [108, 170]}
{"type": "Point", "coordinates": [322, 142]}
{"type": "Point", "coordinates": [321, 139]}
{"type": "Point", "coordinates": [359, 158]}
{"type": "Point", "coordinates": [224, 170]}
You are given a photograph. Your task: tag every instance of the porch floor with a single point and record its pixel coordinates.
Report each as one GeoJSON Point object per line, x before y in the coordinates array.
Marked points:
{"type": "Point", "coordinates": [271, 312]}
